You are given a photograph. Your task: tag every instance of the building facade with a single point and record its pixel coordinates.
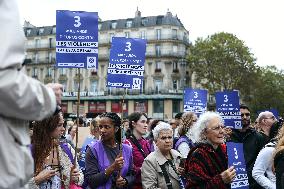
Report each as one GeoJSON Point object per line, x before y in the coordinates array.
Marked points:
{"type": "Point", "coordinates": [165, 73]}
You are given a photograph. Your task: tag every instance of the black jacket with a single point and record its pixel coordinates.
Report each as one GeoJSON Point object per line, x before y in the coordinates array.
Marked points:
{"type": "Point", "coordinates": [253, 142]}
{"type": "Point", "coordinates": [279, 169]}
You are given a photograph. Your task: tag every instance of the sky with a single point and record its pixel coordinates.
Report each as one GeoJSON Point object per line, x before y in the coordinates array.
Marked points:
{"type": "Point", "coordinates": [259, 23]}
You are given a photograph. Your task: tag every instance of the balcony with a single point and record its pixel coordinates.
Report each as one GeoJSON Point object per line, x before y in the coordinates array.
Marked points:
{"type": "Point", "coordinates": [48, 79]}
{"type": "Point", "coordinates": [42, 46]}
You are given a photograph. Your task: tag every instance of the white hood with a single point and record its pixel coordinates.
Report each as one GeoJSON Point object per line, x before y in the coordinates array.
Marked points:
{"type": "Point", "coordinates": [12, 38]}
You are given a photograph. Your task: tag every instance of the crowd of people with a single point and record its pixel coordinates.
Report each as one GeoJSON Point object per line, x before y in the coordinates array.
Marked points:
{"type": "Point", "coordinates": [148, 153]}
{"type": "Point", "coordinates": [184, 152]}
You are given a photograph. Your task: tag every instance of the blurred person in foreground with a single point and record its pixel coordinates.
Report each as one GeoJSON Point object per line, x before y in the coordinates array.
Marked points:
{"type": "Point", "coordinates": [160, 168]}
{"type": "Point", "coordinates": [207, 163]}
{"type": "Point", "coordinates": [22, 99]}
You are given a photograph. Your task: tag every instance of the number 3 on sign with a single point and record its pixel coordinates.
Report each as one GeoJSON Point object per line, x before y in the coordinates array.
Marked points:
{"type": "Point", "coordinates": [77, 21]}
{"type": "Point", "coordinates": [195, 95]}
{"type": "Point", "coordinates": [128, 46]}
{"type": "Point", "coordinates": [226, 98]}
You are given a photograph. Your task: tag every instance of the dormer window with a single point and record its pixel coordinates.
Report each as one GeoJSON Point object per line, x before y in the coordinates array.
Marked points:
{"type": "Point", "coordinates": [113, 25]}
{"type": "Point", "coordinates": [128, 23]}
{"type": "Point", "coordinates": [54, 29]}
{"type": "Point", "coordinates": [28, 32]}
{"type": "Point", "coordinates": [41, 30]}
{"type": "Point", "coordinates": [144, 21]}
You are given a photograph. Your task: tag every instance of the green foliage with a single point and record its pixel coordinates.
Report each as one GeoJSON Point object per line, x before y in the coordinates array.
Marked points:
{"type": "Point", "coordinates": [224, 62]}
{"type": "Point", "coordinates": [221, 62]}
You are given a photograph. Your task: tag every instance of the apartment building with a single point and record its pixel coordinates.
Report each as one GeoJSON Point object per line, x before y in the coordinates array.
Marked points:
{"type": "Point", "coordinates": [166, 70]}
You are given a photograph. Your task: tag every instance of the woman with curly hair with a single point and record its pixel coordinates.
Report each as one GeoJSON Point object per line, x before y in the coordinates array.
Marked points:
{"type": "Point", "coordinates": [184, 143]}
{"type": "Point", "coordinates": [109, 164]}
{"type": "Point", "coordinates": [53, 160]}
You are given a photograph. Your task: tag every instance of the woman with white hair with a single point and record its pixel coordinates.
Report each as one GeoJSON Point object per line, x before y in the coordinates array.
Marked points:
{"type": "Point", "coordinates": [207, 162]}
{"type": "Point", "coordinates": [160, 168]}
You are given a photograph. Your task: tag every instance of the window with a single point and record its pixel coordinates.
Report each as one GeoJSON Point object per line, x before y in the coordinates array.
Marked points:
{"type": "Point", "coordinates": [49, 72]}
{"type": "Point", "coordinates": [175, 84]}
{"type": "Point", "coordinates": [158, 34]}
{"type": "Point", "coordinates": [158, 85]}
{"type": "Point", "coordinates": [37, 43]}
{"type": "Point", "coordinates": [176, 107]}
{"type": "Point", "coordinates": [158, 50]}
{"type": "Point", "coordinates": [34, 72]}
{"type": "Point", "coordinates": [51, 41]}
{"type": "Point", "coordinates": [28, 32]}
{"type": "Point", "coordinates": [158, 109]}
{"type": "Point", "coordinates": [62, 71]}
{"type": "Point", "coordinates": [127, 34]}
{"type": "Point", "coordinates": [41, 30]}
{"type": "Point", "coordinates": [94, 86]}
{"type": "Point", "coordinates": [49, 57]}
{"type": "Point", "coordinates": [158, 65]}
{"type": "Point", "coordinates": [175, 65]}
{"type": "Point", "coordinates": [128, 23]}
{"type": "Point", "coordinates": [143, 35]}
{"type": "Point", "coordinates": [76, 85]}
{"type": "Point", "coordinates": [175, 49]}
{"type": "Point", "coordinates": [174, 33]}
{"type": "Point", "coordinates": [36, 57]}
{"type": "Point", "coordinates": [144, 21]}
{"type": "Point", "coordinates": [113, 25]}
{"type": "Point", "coordinates": [99, 26]}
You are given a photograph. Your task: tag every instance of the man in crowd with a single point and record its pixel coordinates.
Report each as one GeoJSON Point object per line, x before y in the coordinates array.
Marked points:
{"type": "Point", "coordinates": [252, 141]}
{"type": "Point", "coordinates": [266, 120]}
{"type": "Point", "coordinates": [22, 99]}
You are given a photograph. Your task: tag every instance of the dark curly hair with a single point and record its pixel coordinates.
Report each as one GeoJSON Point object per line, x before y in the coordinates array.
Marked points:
{"type": "Point", "coordinates": [116, 121]}
{"type": "Point", "coordinates": [42, 142]}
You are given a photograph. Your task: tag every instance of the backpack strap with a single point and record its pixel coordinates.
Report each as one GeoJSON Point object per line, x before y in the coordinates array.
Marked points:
{"type": "Point", "coordinates": [166, 176]}
{"type": "Point", "coordinates": [138, 145]}
{"type": "Point", "coordinates": [67, 150]}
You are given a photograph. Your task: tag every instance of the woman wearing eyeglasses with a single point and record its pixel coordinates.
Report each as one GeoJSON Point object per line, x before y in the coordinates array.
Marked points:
{"type": "Point", "coordinates": [207, 162]}
{"type": "Point", "coordinates": [53, 160]}
{"type": "Point", "coordinates": [160, 168]}
{"type": "Point", "coordinates": [107, 165]}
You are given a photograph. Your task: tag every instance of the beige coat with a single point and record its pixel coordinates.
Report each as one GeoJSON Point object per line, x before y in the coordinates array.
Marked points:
{"type": "Point", "coordinates": [151, 173]}
{"type": "Point", "coordinates": [22, 99]}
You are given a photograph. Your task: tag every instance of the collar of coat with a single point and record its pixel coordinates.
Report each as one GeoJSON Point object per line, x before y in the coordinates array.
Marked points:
{"type": "Point", "coordinates": [161, 159]}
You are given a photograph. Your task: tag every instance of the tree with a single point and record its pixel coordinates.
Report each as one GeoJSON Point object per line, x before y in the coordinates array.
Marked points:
{"type": "Point", "coordinates": [222, 62]}
{"type": "Point", "coordinates": [268, 93]}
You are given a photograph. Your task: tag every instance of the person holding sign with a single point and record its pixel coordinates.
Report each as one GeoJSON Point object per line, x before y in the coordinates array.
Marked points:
{"type": "Point", "coordinates": [107, 165]}
{"type": "Point", "coordinates": [54, 161]}
{"type": "Point", "coordinates": [252, 140]}
{"type": "Point", "coordinates": [207, 163]}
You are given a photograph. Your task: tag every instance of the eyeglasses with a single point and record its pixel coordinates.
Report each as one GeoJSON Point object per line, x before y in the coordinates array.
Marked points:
{"type": "Point", "coordinates": [166, 137]}
{"type": "Point", "coordinates": [105, 126]}
{"type": "Point", "coordinates": [245, 114]}
{"type": "Point", "coordinates": [217, 128]}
